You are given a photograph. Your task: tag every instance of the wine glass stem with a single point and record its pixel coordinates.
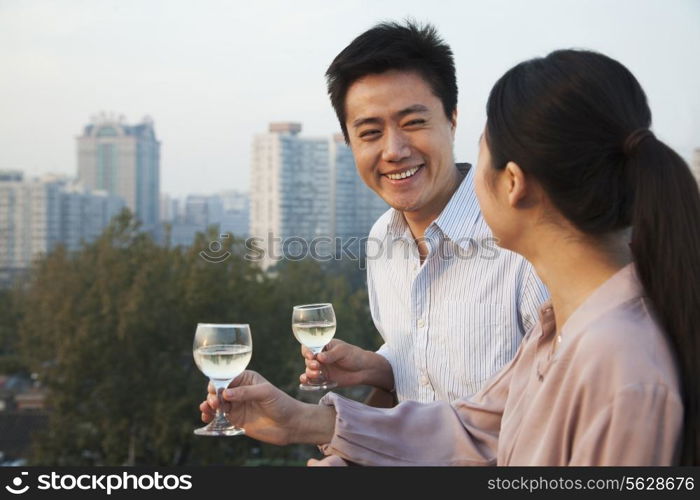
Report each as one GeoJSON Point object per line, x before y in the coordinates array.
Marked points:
{"type": "Point", "coordinates": [220, 415]}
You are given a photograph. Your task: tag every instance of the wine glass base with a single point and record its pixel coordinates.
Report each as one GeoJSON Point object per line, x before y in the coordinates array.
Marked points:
{"type": "Point", "coordinates": [226, 431]}
{"type": "Point", "coordinates": [318, 387]}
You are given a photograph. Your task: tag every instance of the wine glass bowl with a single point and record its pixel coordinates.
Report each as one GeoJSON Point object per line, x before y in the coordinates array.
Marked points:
{"type": "Point", "coordinates": [314, 326]}
{"type": "Point", "coordinates": [221, 352]}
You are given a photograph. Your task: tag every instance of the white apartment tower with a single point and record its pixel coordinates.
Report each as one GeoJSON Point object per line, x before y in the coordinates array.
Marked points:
{"type": "Point", "coordinates": [306, 188]}
{"type": "Point", "coordinates": [30, 220]}
{"type": "Point", "coordinates": [123, 160]}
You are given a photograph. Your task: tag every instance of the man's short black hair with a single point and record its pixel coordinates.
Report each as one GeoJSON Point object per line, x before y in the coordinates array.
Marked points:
{"type": "Point", "coordinates": [393, 46]}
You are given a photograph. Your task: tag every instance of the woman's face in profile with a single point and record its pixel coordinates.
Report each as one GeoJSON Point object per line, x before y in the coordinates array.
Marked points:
{"type": "Point", "coordinates": [492, 190]}
{"type": "Point", "coordinates": [484, 178]}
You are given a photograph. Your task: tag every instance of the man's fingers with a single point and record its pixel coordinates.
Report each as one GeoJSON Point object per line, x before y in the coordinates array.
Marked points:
{"type": "Point", "coordinates": [330, 356]}
{"type": "Point", "coordinates": [306, 352]}
{"type": "Point", "coordinates": [329, 461]}
{"type": "Point", "coordinates": [213, 401]}
{"type": "Point", "coordinates": [248, 377]}
{"type": "Point", "coordinates": [312, 364]}
{"type": "Point", "coordinates": [207, 412]}
{"type": "Point", "coordinates": [205, 407]}
{"type": "Point", "coordinates": [245, 393]}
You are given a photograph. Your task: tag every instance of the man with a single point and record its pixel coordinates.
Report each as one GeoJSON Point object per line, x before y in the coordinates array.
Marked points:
{"type": "Point", "coordinates": [450, 307]}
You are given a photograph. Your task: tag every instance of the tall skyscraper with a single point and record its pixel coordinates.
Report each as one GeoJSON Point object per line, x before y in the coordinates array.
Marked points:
{"type": "Point", "coordinates": [356, 207]}
{"type": "Point", "coordinates": [305, 188]}
{"type": "Point", "coordinates": [123, 160]}
{"type": "Point", "coordinates": [236, 218]}
{"type": "Point", "coordinates": [290, 188]}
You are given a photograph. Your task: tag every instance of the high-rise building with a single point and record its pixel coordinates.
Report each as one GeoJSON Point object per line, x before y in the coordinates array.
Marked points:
{"type": "Point", "coordinates": [38, 214]}
{"type": "Point", "coordinates": [30, 221]}
{"type": "Point", "coordinates": [85, 214]}
{"type": "Point", "coordinates": [236, 218]}
{"type": "Point", "coordinates": [203, 210]}
{"type": "Point", "coordinates": [356, 207]}
{"type": "Point", "coordinates": [168, 208]}
{"type": "Point", "coordinates": [123, 160]}
{"type": "Point", "coordinates": [200, 212]}
{"type": "Point", "coordinates": [290, 188]}
{"type": "Point", "coordinates": [303, 188]}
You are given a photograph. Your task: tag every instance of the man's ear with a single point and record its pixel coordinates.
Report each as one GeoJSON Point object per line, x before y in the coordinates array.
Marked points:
{"type": "Point", "coordinates": [453, 122]}
{"type": "Point", "coordinates": [517, 184]}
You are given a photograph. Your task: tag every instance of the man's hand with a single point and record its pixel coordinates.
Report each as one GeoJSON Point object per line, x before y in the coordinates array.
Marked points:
{"type": "Point", "coordinates": [329, 461]}
{"type": "Point", "coordinates": [268, 414]}
{"type": "Point", "coordinates": [346, 365]}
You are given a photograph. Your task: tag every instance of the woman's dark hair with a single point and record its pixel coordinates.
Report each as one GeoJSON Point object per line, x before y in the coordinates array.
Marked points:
{"type": "Point", "coordinates": [578, 122]}
{"type": "Point", "coordinates": [393, 46]}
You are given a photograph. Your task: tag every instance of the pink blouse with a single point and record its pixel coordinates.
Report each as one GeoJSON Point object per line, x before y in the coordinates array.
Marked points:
{"type": "Point", "coordinates": [608, 395]}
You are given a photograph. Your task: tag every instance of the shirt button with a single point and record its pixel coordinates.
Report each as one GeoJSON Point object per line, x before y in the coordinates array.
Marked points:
{"type": "Point", "coordinates": [424, 380]}
{"type": "Point", "coordinates": [421, 323]}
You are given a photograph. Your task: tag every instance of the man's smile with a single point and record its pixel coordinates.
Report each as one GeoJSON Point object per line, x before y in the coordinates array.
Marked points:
{"type": "Point", "coordinates": [402, 176]}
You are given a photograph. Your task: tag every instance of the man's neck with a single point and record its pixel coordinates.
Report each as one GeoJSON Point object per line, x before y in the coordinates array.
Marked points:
{"type": "Point", "coordinates": [419, 220]}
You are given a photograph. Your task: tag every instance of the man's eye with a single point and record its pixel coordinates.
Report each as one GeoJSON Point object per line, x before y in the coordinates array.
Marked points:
{"type": "Point", "coordinates": [417, 121]}
{"type": "Point", "coordinates": [366, 134]}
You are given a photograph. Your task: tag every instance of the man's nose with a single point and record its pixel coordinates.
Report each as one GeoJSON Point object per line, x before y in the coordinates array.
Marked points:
{"type": "Point", "coordinates": [396, 146]}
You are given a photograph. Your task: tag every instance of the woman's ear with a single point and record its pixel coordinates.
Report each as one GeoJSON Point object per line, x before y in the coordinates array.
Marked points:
{"type": "Point", "coordinates": [517, 186]}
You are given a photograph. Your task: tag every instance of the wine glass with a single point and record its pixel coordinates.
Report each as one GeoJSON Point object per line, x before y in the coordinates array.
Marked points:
{"type": "Point", "coordinates": [314, 326]}
{"type": "Point", "coordinates": [221, 352]}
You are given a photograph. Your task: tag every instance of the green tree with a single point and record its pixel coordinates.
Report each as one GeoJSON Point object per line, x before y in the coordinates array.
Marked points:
{"type": "Point", "coordinates": [109, 331]}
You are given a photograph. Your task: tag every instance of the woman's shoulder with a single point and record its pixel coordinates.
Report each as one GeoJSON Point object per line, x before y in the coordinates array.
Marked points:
{"type": "Point", "coordinates": [626, 345]}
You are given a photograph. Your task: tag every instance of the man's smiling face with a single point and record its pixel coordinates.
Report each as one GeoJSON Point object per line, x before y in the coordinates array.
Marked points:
{"type": "Point", "coordinates": [402, 141]}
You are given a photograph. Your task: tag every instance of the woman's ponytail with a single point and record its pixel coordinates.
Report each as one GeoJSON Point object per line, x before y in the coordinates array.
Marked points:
{"type": "Point", "coordinates": [666, 248]}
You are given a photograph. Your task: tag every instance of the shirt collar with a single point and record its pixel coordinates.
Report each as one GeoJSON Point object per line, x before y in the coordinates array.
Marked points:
{"type": "Point", "coordinates": [459, 215]}
{"type": "Point", "coordinates": [456, 220]}
{"type": "Point", "coordinates": [621, 287]}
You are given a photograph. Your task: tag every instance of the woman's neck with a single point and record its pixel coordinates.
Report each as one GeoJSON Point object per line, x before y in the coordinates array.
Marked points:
{"type": "Point", "coordinates": [573, 267]}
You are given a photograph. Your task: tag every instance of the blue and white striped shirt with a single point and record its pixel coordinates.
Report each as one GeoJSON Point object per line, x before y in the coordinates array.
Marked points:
{"type": "Point", "coordinates": [452, 322]}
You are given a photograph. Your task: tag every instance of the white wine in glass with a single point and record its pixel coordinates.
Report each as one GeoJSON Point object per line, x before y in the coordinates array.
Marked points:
{"type": "Point", "coordinates": [314, 326]}
{"type": "Point", "coordinates": [221, 352]}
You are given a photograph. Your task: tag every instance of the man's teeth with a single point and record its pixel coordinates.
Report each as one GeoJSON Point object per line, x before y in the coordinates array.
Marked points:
{"type": "Point", "coordinates": [403, 175]}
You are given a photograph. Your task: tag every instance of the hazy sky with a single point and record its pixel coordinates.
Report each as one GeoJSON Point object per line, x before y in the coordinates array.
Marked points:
{"type": "Point", "coordinates": [213, 73]}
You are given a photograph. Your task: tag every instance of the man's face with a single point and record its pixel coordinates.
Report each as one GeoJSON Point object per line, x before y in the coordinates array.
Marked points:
{"type": "Point", "coordinates": [401, 140]}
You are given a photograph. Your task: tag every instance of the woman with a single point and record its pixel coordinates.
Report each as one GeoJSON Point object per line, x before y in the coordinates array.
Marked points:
{"type": "Point", "coordinates": [571, 177]}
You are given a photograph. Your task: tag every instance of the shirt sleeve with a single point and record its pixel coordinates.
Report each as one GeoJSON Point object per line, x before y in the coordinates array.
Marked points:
{"type": "Point", "coordinates": [533, 295]}
{"type": "Point", "coordinates": [462, 433]}
{"type": "Point", "coordinates": [385, 351]}
{"type": "Point", "coordinates": [612, 438]}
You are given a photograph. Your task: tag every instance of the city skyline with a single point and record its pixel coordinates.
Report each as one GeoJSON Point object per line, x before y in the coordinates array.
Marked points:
{"type": "Point", "coordinates": [213, 76]}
